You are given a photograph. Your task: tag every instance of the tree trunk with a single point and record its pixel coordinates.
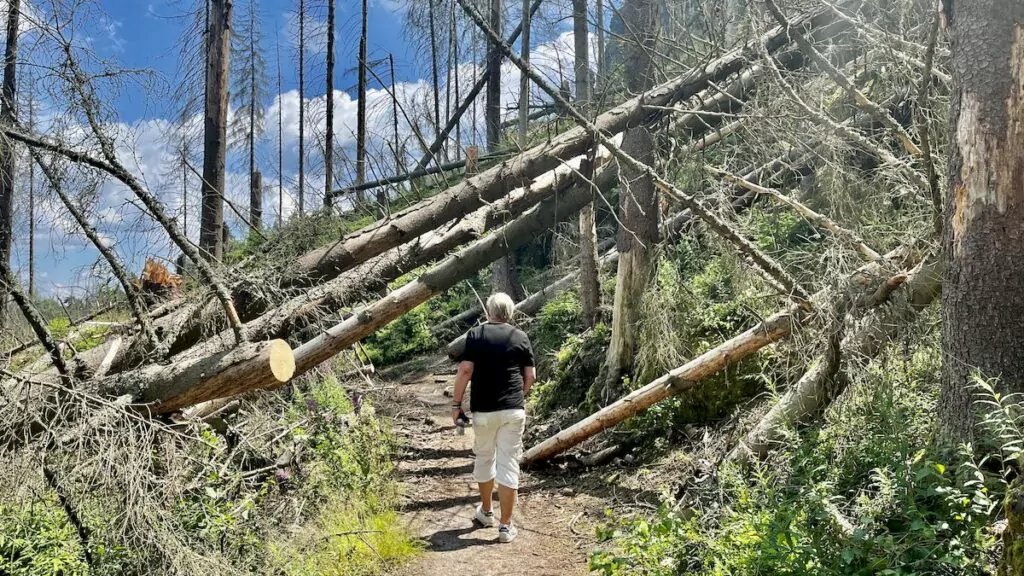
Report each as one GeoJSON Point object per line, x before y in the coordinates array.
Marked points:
{"type": "Point", "coordinates": [31, 204]}
{"type": "Point", "coordinates": [280, 142]}
{"type": "Point", "coordinates": [601, 60]}
{"type": "Point", "coordinates": [8, 116]}
{"type": "Point", "coordinates": [302, 107]}
{"type": "Point", "coordinates": [256, 200]}
{"type": "Point", "coordinates": [983, 287]}
{"type": "Point", "coordinates": [504, 277]}
{"type": "Point", "coordinates": [819, 385]}
{"type": "Point", "coordinates": [689, 376]}
{"type": "Point", "coordinates": [361, 122]}
{"type": "Point", "coordinates": [493, 114]}
{"type": "Point", "coordinates": [329, 121]}
{"type": "Point", "coordinates": [524, 81]}
{"type": "Point", "coordinates": [638, 209]}
{"type": "Point", "coordinates": [253, 366]}
{"type": "Point", "coordinates": [433, 69]}
{"type": "Point", "coordinates": [215, 130]}
{"type": "Point", "coordinates": [590, 284]}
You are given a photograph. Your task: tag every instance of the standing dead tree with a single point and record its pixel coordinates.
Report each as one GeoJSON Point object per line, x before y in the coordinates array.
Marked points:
{"type": "Point", "coordinates": [249, 82]}
{"type": "Point", "coordinates": [7, 152]}
{"type": "Point", "coordinates": [215, 126]}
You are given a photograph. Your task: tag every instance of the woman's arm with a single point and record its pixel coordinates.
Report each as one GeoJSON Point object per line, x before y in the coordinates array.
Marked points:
{"type": "Point", "coordinates": [462, 378]}
{"type": "Point", "coordinates": [529, 377]}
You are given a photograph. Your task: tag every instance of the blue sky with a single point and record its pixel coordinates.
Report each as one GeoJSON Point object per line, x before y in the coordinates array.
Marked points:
{"type": "Point", "coordinates": [145, 35]}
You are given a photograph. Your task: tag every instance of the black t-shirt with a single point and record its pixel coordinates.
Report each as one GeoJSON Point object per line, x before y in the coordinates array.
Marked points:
{"type": "Point", "coordinates": [499, 353]}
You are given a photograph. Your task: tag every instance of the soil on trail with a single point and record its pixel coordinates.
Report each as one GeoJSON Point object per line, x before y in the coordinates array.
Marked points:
{"type": "Point", "coordinates": [435, 466]}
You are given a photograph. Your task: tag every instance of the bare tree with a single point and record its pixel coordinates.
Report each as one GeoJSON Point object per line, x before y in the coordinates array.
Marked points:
{"type": "Point", "coordinates": [249, 71]}
{"type": "Point", "coordinates": [8, 117]}
{"type": "Point", "coordinates": [590, 286]}
{"type": "Point", "coordinates": [503, 272]}
{"type": "Point", "coordinates": [638, 206]}
{"type": "Point", "coordinates": [31, 121]}
{"type": "Point", "coordinates": [361, 111]}
{"type": "Point", "coordinates": [211, 231]}
{"type": "Point", "coordinates": [302, 107]}
{"type": "Point", "coordinates": [280, 139]}
{"type": "Point", "coordinates": [329, 75]}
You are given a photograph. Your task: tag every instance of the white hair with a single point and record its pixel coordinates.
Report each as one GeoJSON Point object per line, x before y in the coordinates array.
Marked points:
{"type": "Point", "coordinates": [499, 307]}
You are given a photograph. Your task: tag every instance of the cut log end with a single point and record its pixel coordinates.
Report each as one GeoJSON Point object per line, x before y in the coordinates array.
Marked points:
{"type": "Point", "coordinates": [282, 361]}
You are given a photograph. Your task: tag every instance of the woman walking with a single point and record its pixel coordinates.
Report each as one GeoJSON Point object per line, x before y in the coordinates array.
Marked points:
{"type": "Point", "coordinates": [498, 362]}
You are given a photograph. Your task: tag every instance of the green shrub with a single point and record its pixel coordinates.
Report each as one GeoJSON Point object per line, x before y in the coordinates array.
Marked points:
{"type": "Point", "coordinates": [573, 369]}
{"type": "Point", "coordinates": [403, 338]}
{"type": "Point", "coordinates": [561, 317]}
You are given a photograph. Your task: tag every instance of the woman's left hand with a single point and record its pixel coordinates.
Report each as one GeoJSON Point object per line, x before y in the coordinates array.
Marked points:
{"type": "Point", "coordinates": [455, 415]}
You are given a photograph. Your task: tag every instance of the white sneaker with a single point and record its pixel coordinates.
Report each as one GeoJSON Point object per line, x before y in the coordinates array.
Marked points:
{"type": "Point", "coordinates": [485, 518]}
{"type": "Point", "coordinates": [507, 533]}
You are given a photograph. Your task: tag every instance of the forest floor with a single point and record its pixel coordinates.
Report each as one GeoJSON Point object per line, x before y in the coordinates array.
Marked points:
{"type": "Point", "coordinates": [556, 511]}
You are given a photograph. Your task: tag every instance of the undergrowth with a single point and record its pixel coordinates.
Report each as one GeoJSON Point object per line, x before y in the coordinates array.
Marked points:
{"type": "Point", "coordinates": [868, 491]}
{"type": "Point", "coordinates": [326, 505]}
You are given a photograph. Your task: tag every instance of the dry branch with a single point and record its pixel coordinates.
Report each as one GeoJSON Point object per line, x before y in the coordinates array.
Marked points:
{"type": "Point", "coordinates": [858, 97]}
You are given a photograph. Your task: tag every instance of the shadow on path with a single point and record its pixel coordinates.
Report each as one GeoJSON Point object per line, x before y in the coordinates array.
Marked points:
{"type": "Point", "coordinates": [451, 540]}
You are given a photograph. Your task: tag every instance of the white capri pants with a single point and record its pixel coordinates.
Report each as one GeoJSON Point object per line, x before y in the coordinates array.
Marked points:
{"type": "Point", "coordinates": [498, 445]}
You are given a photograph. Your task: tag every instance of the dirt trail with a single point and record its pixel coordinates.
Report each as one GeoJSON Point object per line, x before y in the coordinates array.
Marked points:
{"type": "Point", "coordinates": [435, 467]}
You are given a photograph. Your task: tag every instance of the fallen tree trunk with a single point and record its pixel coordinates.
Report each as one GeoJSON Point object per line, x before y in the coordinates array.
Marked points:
{"type": "Point", "coordinates": [163, 389]}
{"type": "Point", "coordinates": [341, 292]}
{"type": "Point", "coordinates": [453, 270]}
{"type": "Point", "coordinates": [809, 396]}
{"type": "Point", "coordinates": [868, 279]}
{"type": "Point", "coordinates": [191, 325]}
{"type": "Point", "coordinates": [492, 184]}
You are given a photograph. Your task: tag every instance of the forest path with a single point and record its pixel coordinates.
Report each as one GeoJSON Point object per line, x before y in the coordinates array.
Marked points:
{"type": "Point", "coordinates": [435, 467]}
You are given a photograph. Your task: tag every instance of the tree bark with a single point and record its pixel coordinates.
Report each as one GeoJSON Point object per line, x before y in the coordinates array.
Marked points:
{"type": "Point", "coordinates": [256, 200]}
{"type": "Point", "coordinates": [215, 130]}
{"type": "Point", "coordinates": [329, 96]}
{"type": "Point", "coordinates": [590, 285]}
{"type": "Point", "coordinates": [280, 142]}
{"type": "Point", "coordinates": [302, 107]}
{"type": "Point", "coordinates": [8, 116]}
{"type": "Point", "coordinates": [493, 114]}
{"type": "Point", "coordinates": [361, 124]}
{"type": "Point", "coordinates": [983, 287]}
{"type": "Point", "coordinates": [638, 208]}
